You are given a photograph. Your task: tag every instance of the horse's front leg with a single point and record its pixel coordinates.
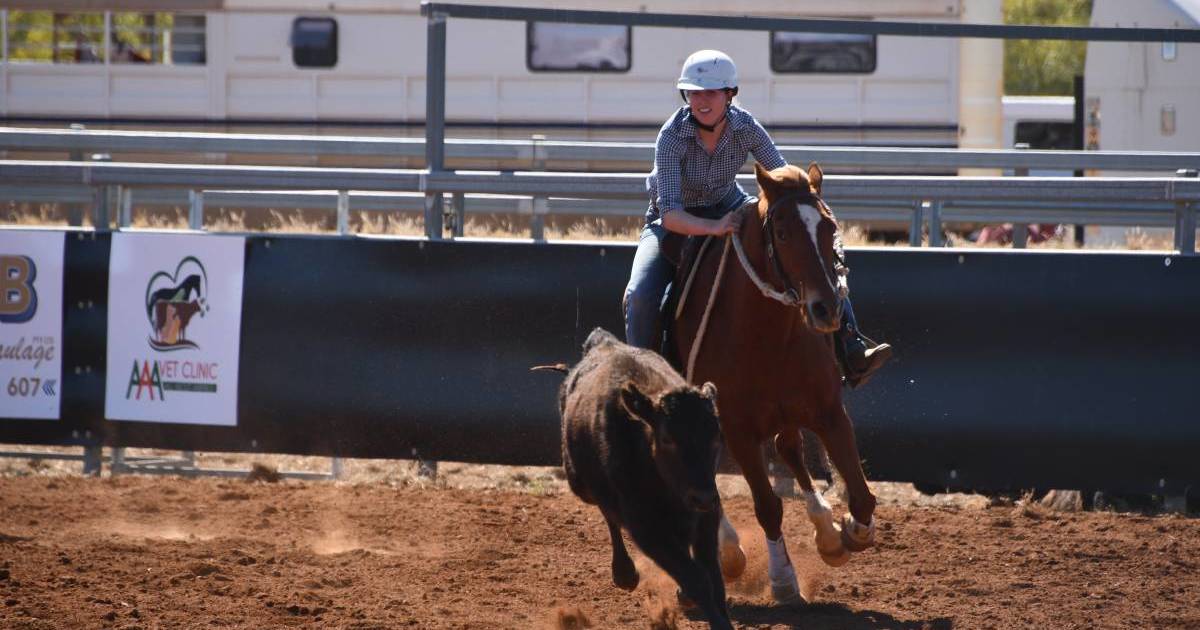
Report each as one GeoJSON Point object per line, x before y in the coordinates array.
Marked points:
{"type": "Point", "coordinates": [837, 433]}
{"type": "Point", "coordinates": [769, 511]}
{"type": "Point", "coordinates": [790, 446]}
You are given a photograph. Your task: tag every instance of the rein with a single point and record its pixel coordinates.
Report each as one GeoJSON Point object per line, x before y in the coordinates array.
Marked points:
{"type": "Point", "coordinates": [790, 297]}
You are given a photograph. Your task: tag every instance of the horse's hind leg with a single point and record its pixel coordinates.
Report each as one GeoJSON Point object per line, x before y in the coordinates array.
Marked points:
{"type": "Point", "coordinates": [769, 510]}
{"type": "Point", "coordinates": [790, 446]}
{"type": "Point", "coordinates": [858, 528]}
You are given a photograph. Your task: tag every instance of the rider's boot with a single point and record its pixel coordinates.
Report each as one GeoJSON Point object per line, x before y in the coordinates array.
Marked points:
{"type": "Point", "coordinates": [859, 356]}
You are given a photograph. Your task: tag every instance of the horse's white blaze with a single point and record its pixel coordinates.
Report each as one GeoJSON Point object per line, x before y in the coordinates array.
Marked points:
{"type": "Point", "coordinates": [811, 218]}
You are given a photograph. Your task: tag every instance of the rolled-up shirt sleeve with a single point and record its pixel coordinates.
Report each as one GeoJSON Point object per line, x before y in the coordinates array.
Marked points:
{"type": "Point", "coordinates": [764, 150]}
{"type": "Point", "coordinates": [668, 169]}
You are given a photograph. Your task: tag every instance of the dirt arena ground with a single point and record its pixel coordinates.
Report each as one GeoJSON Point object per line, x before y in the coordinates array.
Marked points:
{"type": "Point", "coordinates": [495, 547]}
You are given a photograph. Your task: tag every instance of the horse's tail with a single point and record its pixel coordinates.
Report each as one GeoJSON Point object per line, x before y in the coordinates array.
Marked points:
{"type": "Point", "coordinates": [557, 367]}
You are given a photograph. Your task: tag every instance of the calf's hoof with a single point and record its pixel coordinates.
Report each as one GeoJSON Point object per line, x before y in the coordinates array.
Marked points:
{"type": "Point", "coordinates": [733, 561]}
{"type": "Point", "coordinates": [856, 536]}
{"type": "Point", "coordinates": [626, 580]}
{"type": "Point", "coordinates": [685, 602]}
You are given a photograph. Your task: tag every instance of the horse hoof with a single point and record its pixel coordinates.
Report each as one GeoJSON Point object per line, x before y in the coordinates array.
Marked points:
{"type": "Point", "coordinates": [787, 594]}
{"type": "Point", "coordinates": [834, 557]}
{"type": "Point", "coordinates": [733, 561]}
{"type": "Point", "coordinates": [856, 536]}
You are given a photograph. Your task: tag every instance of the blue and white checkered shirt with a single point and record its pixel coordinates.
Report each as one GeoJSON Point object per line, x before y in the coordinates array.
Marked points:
{"type": "Point", "coordinates": [686, 176]}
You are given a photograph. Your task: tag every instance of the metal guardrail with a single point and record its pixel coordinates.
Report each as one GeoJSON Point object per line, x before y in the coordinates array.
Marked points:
{"type": "Point", "coordinates": [811, 25]}
{"type": "Point", "coordinates": [538, 154]}
{"type": "Point", "coordinates": [438, 14]}
{"type": "Point", "coordinates": [921, 200]}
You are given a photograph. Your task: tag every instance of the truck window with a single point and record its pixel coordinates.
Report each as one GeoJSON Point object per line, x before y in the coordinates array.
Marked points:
{"type": "Point", "coordinates": [557, 47]}
{"type": "Point", "coordinates": [148, 38]}
{"type": "Point", "coordinates": [314, 42]}
{"type": "Point", "coordinates": [822, 53]}
{"type": "Point", "coordinates": [1045, 135]}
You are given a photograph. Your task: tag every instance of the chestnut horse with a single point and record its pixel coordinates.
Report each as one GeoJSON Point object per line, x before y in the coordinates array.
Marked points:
{"type": "Point", "coordinates": [765, 342]}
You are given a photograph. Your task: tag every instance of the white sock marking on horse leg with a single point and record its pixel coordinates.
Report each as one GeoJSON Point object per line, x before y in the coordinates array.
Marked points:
{"type": "Point", "coordinates": [828, 538]}
{"type": "Point", "coordinates": [780, 570]}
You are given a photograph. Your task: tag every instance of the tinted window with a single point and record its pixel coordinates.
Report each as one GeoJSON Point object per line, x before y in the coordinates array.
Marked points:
{"type": "Point", "coordinates": [314, 42]}
{"type": "Point", "coordinates": [1045, 135]}
{"type": "Point", "coordinates": [822, 52]}
{"type": "Point", "coordinates": [557, 47]}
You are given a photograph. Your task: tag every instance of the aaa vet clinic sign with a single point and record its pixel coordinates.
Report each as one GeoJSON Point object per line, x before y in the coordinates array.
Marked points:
{"type": "Point", "coordinates": [174, 328]}
{"type": "Point", "coordinates": [31, 309]}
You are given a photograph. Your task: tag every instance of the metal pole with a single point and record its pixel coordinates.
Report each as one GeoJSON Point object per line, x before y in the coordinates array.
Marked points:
{"type": "Point", "coordinates": [1185, 220]}
{"type": "Point", "coordinates": [93, 456]}
{"type": "Point", "coordinates": [537, 223]}
{"type": "Point", "coordinates": [460, 213]}
{"type": "Point", "coordinates": [125, 216]}
{"type": "Point", "coordinates": [935, 224]}
{"type": "Point", "coordinates": [1185, 228]}
{"type": "Point", "coordinates": [196, 209]}
{"type": "Point", "coordinates": [343, 212]}
{"type": "Point", "coordinates": [1020, 233]}
{"type": "Point", "coordinates": [918, 222]}
{"type": "Point", "coordinates": [435, 117]}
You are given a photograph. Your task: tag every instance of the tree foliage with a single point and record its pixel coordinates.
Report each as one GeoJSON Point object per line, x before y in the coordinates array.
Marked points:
{"type": "Point", "coordinates": [1044, 67]}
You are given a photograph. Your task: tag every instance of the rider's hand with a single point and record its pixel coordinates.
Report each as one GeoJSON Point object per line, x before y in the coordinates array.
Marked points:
{"type": "Point", "coordinates": [728, 224]}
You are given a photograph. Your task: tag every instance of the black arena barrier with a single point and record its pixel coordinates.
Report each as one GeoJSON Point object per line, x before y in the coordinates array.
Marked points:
{"type": "Point", "coordinates": [1012, 370]}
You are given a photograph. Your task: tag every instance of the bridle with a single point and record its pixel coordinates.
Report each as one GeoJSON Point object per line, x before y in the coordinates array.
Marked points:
{"type": "Point", "coordinates": [791, 295]}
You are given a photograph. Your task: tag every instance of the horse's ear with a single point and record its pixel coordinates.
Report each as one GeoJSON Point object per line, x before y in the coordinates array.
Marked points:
{"type": "Point", "coordinates": [815, 175]}
{"type": "Point", "coordinates": [765, 181]}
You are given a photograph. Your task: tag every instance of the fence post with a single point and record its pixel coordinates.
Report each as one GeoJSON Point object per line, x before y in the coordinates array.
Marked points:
{"type": "Point", "coordinates": [917, 225]}
{"type": "Point", "coordinates": [343, 212]}
{"type": "Point", "coordinates": [1185, 220]}
{"type": "Point", "coordinates": [459, 222]}
{"type": "Point", "coordinates": [101, 199]}
{"type": "Point", "coordinates": [935, 224]}
{"type": "Point", "coordinates": [537, 222]}
{"type": "Point", "coordinates": [196, 209]}
{"type": "Point", "coordinates": [125, 203]}
{"type": "Point", "coordinates": [435, 116]}
{"type": "Point", "coordinates": [1020, 232]}
{"type": "Point", "coordinates": [93, 458]}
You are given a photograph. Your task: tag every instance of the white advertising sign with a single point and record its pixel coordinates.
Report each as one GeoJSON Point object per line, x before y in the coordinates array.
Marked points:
{"type": "Point", "coordinates": [174, 328]}
{"type": "Point", "coordinates": [31, 308]}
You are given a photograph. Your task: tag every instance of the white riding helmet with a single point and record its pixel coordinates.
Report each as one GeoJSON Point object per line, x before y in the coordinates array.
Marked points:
{"type": "Point", "coordinates": [708, 70]}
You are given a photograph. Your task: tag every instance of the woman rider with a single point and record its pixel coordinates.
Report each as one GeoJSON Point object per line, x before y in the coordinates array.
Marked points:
{"type": "Point", "coordinates": [692, 190]}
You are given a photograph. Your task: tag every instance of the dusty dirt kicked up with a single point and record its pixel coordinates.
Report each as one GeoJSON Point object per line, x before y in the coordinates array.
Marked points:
{"type": "Point", "coordinates": [138, 552]}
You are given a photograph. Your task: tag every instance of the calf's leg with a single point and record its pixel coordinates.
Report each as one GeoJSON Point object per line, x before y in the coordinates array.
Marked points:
{"type": "Point", "coordinates": [674, 557]}
{"type": "Point", "coordinates": [625, 575]}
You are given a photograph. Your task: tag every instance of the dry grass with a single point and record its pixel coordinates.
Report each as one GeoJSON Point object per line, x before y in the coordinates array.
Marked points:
{"type": "Point", "coordinates": [406, 222]}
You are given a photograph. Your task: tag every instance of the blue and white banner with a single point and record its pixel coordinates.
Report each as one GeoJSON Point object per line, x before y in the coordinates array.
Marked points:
{"type": "Point", "coordinates": [31, 307]}
{"type": "Point", "coordinates": [174, 328]}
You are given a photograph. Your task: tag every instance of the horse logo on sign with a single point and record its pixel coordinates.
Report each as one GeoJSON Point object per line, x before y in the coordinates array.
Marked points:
{"type": "Point", "coordinates": [172, 300]}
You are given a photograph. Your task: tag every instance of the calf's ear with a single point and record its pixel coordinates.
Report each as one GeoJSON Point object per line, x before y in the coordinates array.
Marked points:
{"type": "Point", "coordinates": [639, 406]}
{"type": "Point", "coordinates": [709, 391]}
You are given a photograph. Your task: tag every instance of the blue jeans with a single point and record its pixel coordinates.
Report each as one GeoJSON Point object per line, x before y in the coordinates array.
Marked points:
{"type": "Point", "coordinates": [652, 274]}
